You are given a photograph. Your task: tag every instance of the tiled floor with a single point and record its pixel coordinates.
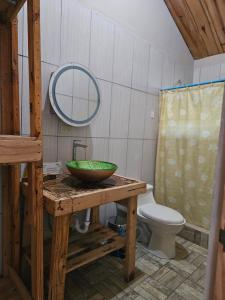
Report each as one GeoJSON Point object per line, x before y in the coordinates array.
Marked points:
{"type": "Point", "coordinates": [157, 279]}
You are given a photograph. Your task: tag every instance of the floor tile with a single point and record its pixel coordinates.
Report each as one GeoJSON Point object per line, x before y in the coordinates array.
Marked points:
{"type": "Point", "coordinates": [180, 278]}
{"type": "Point", "coordinates": [190, 290]}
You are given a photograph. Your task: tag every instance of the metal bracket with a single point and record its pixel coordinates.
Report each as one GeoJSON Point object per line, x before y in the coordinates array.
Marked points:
{"type": "Point", "coordinates": [222, 238]}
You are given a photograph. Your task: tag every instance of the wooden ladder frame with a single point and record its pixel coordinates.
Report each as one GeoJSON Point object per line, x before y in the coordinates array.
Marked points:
{"type": "Point", "coordinates": [16, 149]}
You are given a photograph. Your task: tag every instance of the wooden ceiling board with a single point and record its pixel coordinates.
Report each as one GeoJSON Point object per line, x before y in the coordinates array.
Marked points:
{"type": "Point", "coordinates": [214, 22]}
{"type": "Point", "coordinates": [201, 23]}
{"type": "Point", "coordinates": [216, 12]}
{"type": "Point", "coordinates": [187, 26]}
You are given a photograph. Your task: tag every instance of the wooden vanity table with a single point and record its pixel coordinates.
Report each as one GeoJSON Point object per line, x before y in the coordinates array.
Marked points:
{"type": "Point", "coordinates": [65, 196]}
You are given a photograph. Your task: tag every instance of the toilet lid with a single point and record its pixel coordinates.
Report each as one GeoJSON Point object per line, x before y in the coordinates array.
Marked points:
{"type": "Point", "coordinates": [162, 214]}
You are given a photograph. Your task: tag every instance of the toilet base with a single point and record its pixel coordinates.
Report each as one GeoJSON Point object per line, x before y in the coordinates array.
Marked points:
{"type": "Point", "coordinates": [162, 246]}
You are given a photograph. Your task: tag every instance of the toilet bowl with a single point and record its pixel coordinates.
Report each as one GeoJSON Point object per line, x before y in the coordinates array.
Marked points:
{"type": "Point", "coordinates": [163, 222]}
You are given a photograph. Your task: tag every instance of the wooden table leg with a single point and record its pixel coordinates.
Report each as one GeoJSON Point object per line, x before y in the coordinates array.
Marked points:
{"type": "Point", "coordinates": [131, 238]}
{"type": "Point", "coordinates": [60, 237]}
{"type": "Point", "coordinates": [95, 215]}
{"type": "Point", "coordinates": [36, 218]}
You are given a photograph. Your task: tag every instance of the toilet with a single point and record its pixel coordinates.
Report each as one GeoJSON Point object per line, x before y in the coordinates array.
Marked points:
{"type": "Point", "coordinates": [163, 222]}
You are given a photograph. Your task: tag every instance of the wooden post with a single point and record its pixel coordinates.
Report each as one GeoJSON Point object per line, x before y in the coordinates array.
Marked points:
{"type": "Point", "coordinates": [60, 237]}
{"type": "Point", "coordinates": [95, 215]}
{"type": "Point", "coordinates": [35, 169]}
{"type": "Point", "coordinates": [15, 169]}
{"type": "Point", "coordinates": [6, 112]}
{"type": "Point", "coordinates": [131, 238]}
{"type": "Point", "coordinates": [215, 273]}
{"type": "Point", "coordinates": [10, 124]}
{"type": "Point", "coordinates": [219, 288]}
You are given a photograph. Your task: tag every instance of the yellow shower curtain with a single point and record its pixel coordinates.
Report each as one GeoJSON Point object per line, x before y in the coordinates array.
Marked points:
{"type": "Point", "coordinates": [187, 147]}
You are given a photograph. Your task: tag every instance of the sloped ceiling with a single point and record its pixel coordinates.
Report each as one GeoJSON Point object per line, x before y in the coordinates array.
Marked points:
{"type": "Point", "coordinates": [201, 23]}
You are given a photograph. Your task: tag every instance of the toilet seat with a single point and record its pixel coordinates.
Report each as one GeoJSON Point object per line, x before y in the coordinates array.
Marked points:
{"type": "Point", "coordinates": [162, 214]}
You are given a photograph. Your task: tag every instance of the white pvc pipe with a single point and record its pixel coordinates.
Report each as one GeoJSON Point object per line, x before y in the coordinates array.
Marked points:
{"type": "Point", "coordinates": [86, 222]}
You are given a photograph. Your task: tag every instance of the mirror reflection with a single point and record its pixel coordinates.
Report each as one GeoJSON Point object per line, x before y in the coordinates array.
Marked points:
{"type": "Point", "coordinates": [75, 95]}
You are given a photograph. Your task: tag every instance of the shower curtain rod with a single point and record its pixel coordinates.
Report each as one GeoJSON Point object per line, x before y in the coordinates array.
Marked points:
{"type": "Point", "coordinates": [193, 84]}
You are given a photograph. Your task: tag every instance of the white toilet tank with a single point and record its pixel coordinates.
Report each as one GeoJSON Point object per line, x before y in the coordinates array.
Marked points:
{"type": "Point", "coordinates": [147, 197]}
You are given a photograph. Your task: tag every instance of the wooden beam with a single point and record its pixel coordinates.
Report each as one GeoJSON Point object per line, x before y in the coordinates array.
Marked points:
{"type": "Point", "coordinates": [22, 291]}
{"type": "Point", "coordinates": [36, 218]}
{"type": "Point", "coordinates": [34, 50]}
{"type": "Point", "coordinates": [20, 150]}
{"type": "Point", "coordinates": [95, 215]}
{"type": "Point", "coordinates": [13, 10]}
{"type": "Point", "coordinates": [35, 169]}
{"type": "Point", "coordinates": [219, 287]}
{"type": "Point", "coordinates": [6, 128]}
{"type": "Point", "coordinates": [15, 77]}
{"type": "Point", "coordinates": [15, 170]}
{"type": "Point", "coordinates": [60, 237]}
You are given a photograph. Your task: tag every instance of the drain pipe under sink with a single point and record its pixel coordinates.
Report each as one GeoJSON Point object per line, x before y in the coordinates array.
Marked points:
{"type": "Point", "coordinates": [87, 222]}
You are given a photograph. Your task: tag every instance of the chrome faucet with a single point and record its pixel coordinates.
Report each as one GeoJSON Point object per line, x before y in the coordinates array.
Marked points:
{"type": "Point", "coordinates": [76, 145]}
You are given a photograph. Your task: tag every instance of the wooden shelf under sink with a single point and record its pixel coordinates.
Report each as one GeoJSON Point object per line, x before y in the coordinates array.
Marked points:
{"type": "Point", "coordinates": [86, 248]}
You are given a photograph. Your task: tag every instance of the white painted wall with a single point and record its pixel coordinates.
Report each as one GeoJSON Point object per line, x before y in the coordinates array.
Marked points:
{"type": "Point", "coordinates": [134, 49]}
{"type": "Point", "coordinates": [209, 68]}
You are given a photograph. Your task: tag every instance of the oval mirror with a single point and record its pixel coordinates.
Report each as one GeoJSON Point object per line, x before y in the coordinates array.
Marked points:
{"type": "Point", "coordinates": [74, 94]}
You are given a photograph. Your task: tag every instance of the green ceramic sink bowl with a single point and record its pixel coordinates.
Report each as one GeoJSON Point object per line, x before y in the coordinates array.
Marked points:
{"type": "Point", "coordinates": [91, 170]}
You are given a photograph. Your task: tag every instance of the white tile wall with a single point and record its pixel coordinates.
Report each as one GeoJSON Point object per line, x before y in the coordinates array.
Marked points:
{"type": "Point", "coordinates": [137, 114]}
{"type": "Point", "coordinates": [24, 34]}
{"type": "Point", "coordinates": [118, 153]}
{"type": "Point", "coordinates": [179, 74]}
{"type": "Point", "coordinates": [120, 111]}
{"type": "Point", "coordinates": [134, 158]}
{"type": "Point", "coordinates": [188, 74]}
{"type": "Point", "coordinates": [148, 161]}
{"type": "Point", "coordinates": [196, 76]}
{"type": "Point", "coordinates": [50, 30]}
{"type": "Point", "coordinates": [210, 73]}
{"type": "Point", "coordinates": [20, 32]}
{"type": "Point", "coordinates": [102, 47]}
{"type": "Point", "coordinates": [98, 149]}
{"type": "Point", "coordinates": [222, 71]}
{"type": "Point", "coordinates": [168, 72]}
{"type": "Point", "coordinates": [66, 130]}
{"type": "Point", "coordinates": [49, 119]}
{"type": "Point", "coordinates": [50, 148]}
{"type": "Point", "coordinates": [65, 148]}
{"type": "Point", "coordinates": [155, 69]}
{"type": "Point", "coordinates": [47, 70]}
{"type": "Point", "coordinates": [151, 117]}
{"type": "Point", "coordinates": [75, 33]}
{"type": "Point", "coordinates": [209, 69]}
{"type": "Point", "coordinates": [123, 56]}
{"type": "Point", "coordinates": [100, 125]}
{"type": "Point", "coordinates": [140, 65]}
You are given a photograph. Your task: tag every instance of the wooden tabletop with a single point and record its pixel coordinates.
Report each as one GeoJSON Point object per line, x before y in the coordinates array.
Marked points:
{"type": "Point", "coordinates": [66, 194]}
